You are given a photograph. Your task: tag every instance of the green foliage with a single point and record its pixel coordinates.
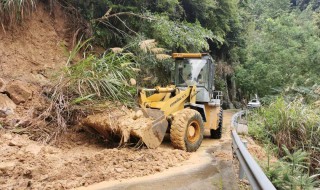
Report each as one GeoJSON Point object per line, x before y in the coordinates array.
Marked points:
{"type": "Point", "coordinates": [291, 124]}
{"type": "Point", "coordinates": [219, 16]}
{"type": "Point", "coordinates": [187, 25]}
{"type": "Point", "coordinates": [153, 71]}
{"type": "Point", "coordinates": [13, 11]}
{"type": "Point", "coordinates": [105, 76]}
{"type": "Point", "coordinates": [309, 94]}
{"type": "Point", "coordinates": [282, 50]}
{"type": "Point", "coordinates": [263, 10]}
{"type": "Point", "coordinates": [89, 82]}
{"type": "Point", "coordinates": [291, 171]}
{"type": "Point", "coordinates": [182, 35]}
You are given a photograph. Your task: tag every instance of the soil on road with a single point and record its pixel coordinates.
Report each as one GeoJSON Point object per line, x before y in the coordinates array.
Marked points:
{"type": "Point", "coordinates": [81, 160]}
{"type": "Point", "coordinates": [211, 167]}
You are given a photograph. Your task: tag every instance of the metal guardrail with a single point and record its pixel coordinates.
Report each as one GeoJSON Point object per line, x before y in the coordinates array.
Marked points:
{"type": "Point", "coordinates": [255, 175]}
{"type": "Point", "coordinates": [234, 119]}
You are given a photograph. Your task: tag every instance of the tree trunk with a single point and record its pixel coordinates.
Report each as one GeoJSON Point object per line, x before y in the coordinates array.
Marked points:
{"type": "Point", "coordinates": [227, 96]}
{"type": "Point", "coordinates": [233, 89]}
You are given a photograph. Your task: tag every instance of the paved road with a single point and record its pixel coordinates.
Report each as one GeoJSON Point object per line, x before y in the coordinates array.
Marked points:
{"type": "Point", "coordinates": [209, 168]}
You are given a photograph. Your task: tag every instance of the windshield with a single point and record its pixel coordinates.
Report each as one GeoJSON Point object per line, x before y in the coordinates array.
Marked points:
{"type": "Point", "coordinates": [192, 72]}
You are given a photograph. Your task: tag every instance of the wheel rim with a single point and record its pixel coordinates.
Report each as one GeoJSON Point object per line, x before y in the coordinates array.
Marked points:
{"type": "Point", "coordinates": [193, 131]}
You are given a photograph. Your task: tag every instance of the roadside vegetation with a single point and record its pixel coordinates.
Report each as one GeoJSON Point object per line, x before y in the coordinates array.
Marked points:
{"type": "Point", "coordinates": [292, 130]}
{"type": "Point", "coordinates": [282, 48]}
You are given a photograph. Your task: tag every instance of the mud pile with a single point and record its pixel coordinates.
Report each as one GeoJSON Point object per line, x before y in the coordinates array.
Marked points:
{"type": "Point", "coordinates": [30, 55]}
{"type": "Point", "coordinates": [258, 152]}
{"type": "Point", "coordinates": [118, 121]}
{"type": "Point", "coordinates": [78, 160]}
{"type": "Point", "coordinates": [126, 124]}
{"type": "Point", "coordinates": [35, 49]}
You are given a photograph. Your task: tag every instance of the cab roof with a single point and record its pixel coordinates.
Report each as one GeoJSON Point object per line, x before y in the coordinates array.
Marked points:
{"type": "Point", "coordinates": [188, 55]}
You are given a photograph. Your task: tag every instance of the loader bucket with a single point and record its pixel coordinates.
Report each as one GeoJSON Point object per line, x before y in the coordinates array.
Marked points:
{"type": "Point", "coordinates": [152, 135]}
{"type": "Point", "coordinates": [150, 126]}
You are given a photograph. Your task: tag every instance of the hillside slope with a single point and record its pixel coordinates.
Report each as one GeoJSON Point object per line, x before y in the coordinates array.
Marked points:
{"type": "Point", "coordinates": [34, 48]}
{"type": "Point", "coordinates": [30, 55]}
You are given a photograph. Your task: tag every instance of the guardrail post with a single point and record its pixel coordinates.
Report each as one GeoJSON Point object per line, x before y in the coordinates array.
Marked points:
{"type": "Point", "coordinates": [241, 170]}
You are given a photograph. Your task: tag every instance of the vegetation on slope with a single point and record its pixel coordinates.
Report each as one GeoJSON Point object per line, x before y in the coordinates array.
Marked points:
{"type": "Point", "coordinates": [292, 171]}
{"type": "Point", "coordinates": [294, 128]}
{"type": "Point", "coordinates": [282, 49]}
{"type": "Point", "coordinates": [14, 11]}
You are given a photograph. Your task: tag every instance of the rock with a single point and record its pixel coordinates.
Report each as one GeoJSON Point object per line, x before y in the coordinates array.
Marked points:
{"type": "Point", "coordinates": [33, 149]}
{"type": "Point", "coordinates": [7, 106]}
{"type": "Point", "coordinates": [7, 166]}
{"type": "Point", "coordinates": [50, 150]}
{"type": "Point", "coordinates": [137, 115]}
{"type": "Point", "coordinates": [19, 91]}
{"type": "Point", "coordinates": [245, 181]}
{"type": "Point", "coordinates": [41, 79]}
{"type": "Point", "coordinates": [6, 150]}
{"type": "Point", "coordinates": [141, 167]}
{"type": "Point", "coordinates": [133, 82]}
{"type": "Point", "coordinates": [242, 129]}
{"type": "Point", "coordinates": [2, 85]}
{"type": "Point", "coordinates": [317, 104]}
{"type": "Point", "coordinates": [127, 165]}
{"type": "Point", "coordinates": [116, 50]}
{"type": "Point", "coordinates": [119, 170]}
{"type": "Point", "coordinates": [158, 169]}
{"type": "Point", "coordinates": [7, 136]}
{"type": "Point", "coordinates": [16, 142]}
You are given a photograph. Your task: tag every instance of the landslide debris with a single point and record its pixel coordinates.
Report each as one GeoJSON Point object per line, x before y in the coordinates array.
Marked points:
{"type": "Point", "coordinates": [31, 53]}
{"type": "Point", "coordinates": [78, 160]}
{"type": "Point", "coordinates": [122, 122]}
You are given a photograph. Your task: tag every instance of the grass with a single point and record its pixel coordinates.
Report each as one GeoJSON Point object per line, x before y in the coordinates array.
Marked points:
{"type": "Point", "coordinates": [291, 171]}
{"type": "Point", "coordinates": [87, 85]}
{"type": "Point", "coordinates": [105, 77]}
{"type": "Point", "coordinates": [293, 127]}
{"type": "Point", "coordinates": [84, 86]}
{"type": "Point", "coordinates": [14, 11]}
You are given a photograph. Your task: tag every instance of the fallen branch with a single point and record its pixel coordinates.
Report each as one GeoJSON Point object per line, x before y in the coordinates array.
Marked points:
{"type": "Point", "coordinates": [107, 16]}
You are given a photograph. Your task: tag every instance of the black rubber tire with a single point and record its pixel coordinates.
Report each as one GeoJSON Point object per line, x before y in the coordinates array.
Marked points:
{"type": "Point", "coordinates": [179, 132]}
{"type": "Point", "coordinates": [217, 133]}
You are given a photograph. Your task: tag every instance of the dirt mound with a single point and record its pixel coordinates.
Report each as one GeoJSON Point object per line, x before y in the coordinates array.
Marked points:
{"type": "Point", "coordinates": [77, 161]}
{"type": "Point", "coordinates": [125, 123]}
{"type": "Point", "coordinates": [33, 51]}
{"type": "Point", "coordinates": [258, 152]}
{"type": "Point", "coordinates": [31, 54]}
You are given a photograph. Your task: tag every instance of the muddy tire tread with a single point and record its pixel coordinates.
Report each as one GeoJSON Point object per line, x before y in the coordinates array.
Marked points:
{"type": "Point", "coordinates": [179, 129]}
{"type": "Point", "coordinates": [217, 134]}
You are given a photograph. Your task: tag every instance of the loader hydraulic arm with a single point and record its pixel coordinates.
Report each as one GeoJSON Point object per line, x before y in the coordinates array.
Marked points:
{"type": "Point", "coordinates": [169, 99]}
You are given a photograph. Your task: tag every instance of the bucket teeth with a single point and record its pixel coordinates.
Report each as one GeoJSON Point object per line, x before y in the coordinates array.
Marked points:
{"type": "Point", "coordinates": [154, 134]}
{"type": "Point", "coordinates": [150, 126]}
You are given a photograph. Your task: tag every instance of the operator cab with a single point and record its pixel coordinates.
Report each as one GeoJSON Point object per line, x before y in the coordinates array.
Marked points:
{"type": "Point", "coordinates": [196, 69]}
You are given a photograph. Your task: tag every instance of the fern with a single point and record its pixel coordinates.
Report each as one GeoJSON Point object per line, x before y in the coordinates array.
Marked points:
{"type": "Point", "coordinates": [291, 171]}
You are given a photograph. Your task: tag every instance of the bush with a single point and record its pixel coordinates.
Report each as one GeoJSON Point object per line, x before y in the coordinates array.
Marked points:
{"type": "Point", "coordinates": [291, 171]}
{"type": "Point", "coordinates": [85, 87]}
{"type": "Point", "coordinates": [105, 78]}
{"type": "Point", "coordinates": [290, 124]}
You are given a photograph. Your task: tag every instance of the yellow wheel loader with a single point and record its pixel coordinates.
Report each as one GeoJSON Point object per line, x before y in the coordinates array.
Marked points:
{"type": "Point", "coordinates": [184, 109]}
